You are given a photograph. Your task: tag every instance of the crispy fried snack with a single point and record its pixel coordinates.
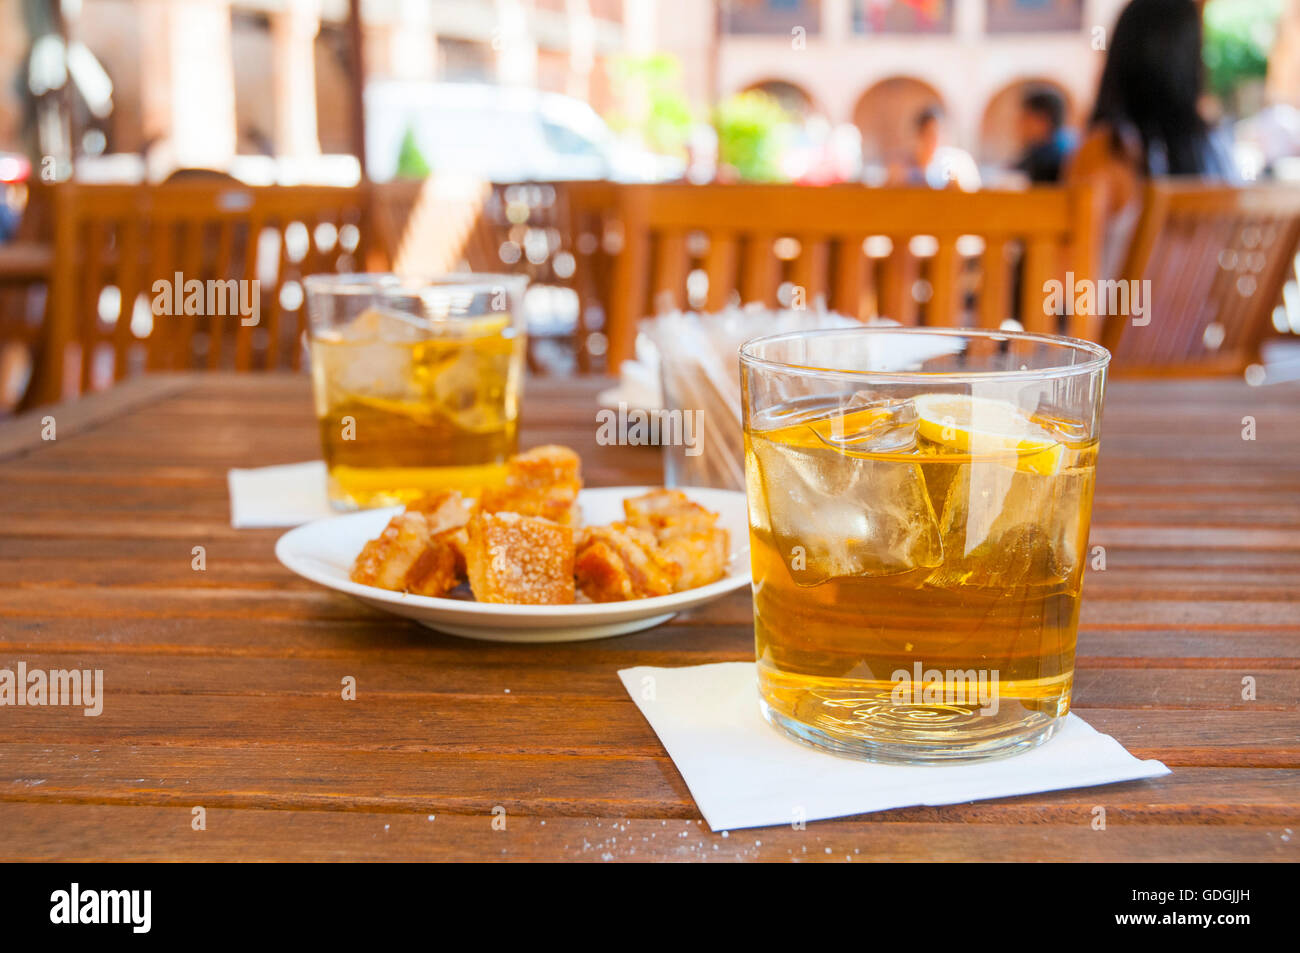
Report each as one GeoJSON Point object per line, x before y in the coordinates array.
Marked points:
{"type": "Point", "coordinates": [701, 557]}
{"type": "Point", "coordinates": [519, 559]}
{"type": "Point", "coordinates": [434, 572]}
{"type": "Point", "coordinates": [557, 506]}
{"type": "Point", "coordinates": [618, 562]}
{"type": "Point", "coordinates": [457, 540]}
{"type": "Point", "coordinates": [406, 557]}
{"type": "Point", "coordinates": [667, 511]}
{"type": "Point", "coordinates": [687, 535]}
{"type": "Point", "coordinates": [385, 560]}
{"type": "Point", "coordinates": [545, 467]}
{"type": "Point", "coordinates": [542, 482]}
{"type": "Point", "coordinates": [444, 511]}
{"type": "Point", "coordinates": [419, 551]}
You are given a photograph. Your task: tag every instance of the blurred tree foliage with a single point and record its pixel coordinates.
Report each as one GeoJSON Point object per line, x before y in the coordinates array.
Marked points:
{"type": "Point", "coordinates": [752, 128]}
{"type": "Point", "coordinates": [1238, 37]}
{"type": "Point", "coordinates": [654, 102]}
{"type": "Point", "coordinates": [411, 163]}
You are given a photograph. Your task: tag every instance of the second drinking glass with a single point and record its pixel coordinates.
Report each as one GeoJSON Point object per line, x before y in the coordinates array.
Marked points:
{"type": "Point", "coordinates": [416, 381]}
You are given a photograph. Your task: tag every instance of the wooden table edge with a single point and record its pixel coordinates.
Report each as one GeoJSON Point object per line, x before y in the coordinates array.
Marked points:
{"type": "Point", "coordinates": [25, 432]}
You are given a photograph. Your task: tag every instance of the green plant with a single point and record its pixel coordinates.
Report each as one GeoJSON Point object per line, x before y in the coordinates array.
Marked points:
{"type": "Point", "coordinates": [411, 163]}
{"type": "Point", "coordinates": [650, 87]}
{"type": "Point", "coordinates": [1238, 37]}
{"type": "Point", "coordinates": [752, 129]}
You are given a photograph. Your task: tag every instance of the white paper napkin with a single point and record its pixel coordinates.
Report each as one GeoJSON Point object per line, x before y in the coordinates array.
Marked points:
{"type": "Point", "coordinates": [286, 495]}
{"type": "Point", "coordinates": [742, 772]}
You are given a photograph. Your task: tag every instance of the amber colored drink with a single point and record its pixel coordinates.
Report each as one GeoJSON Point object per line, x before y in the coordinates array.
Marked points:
{"type": "Point", "coordinates": [401, 416]}
{"type": "Point", "coordinates": [917, 570]}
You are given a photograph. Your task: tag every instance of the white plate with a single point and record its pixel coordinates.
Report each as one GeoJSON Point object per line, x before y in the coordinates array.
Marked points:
{"type": "Point", "coordinates": [323, 552]}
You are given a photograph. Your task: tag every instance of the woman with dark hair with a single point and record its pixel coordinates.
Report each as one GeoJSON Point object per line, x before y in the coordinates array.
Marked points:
{"type": "Point", "coordinates": [1147, 120]}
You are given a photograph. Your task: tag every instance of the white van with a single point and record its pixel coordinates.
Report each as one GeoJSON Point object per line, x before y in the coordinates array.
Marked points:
{"type": "Point", "coordinates": [501, 133]}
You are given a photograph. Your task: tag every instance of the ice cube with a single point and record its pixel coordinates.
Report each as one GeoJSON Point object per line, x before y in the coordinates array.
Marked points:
{"type": "Point", "coordinates": [835, 514]}
{"type": "Point", "coordinates": [373, 369]}
{"type": "Point", "coordinates": [377, 324]}
{"type": "Point", "coordinates": [1005, 526]}
{"type": "Point", "coordinates": [868, 425]}
{"type": "Point", "coordinates": [371, 358]}
{"type": "Point", "coordinates": [469, 379]}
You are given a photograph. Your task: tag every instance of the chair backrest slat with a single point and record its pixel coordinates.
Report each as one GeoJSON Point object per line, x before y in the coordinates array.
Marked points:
{"type": "Point", "coordinates": [758, 279]}
{"type": "Point", "coordinates": [159, 267]}
{"type": "Point", "coordinates": [995, 287]}
{"type": "Point", "coordinates": [244, 332]}
{"type": "Point", "coordinates": [809, 269]}
{"type": "Point", "coordinates": [721, 262]}
{"type": "Point", "coordinates": [93, 238]}
{"type": "Point", "coordinates": [942, 307]}
{"type": "Point", "coordinates": [130, 289]}
{"type": "Point", "coordinates": [223, 269]}
{"type": "Point", "coordinates": [849, 266]}
{"type": "Point", "coordinates": [271, 311]}
{"type": "Point", "coordinates": [193, 234]}
{"type": "Point", "coordinates": [1040, 267]}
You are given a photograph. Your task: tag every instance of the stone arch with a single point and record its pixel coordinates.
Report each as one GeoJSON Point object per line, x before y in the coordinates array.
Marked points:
{"type": "Point", "coordinates": [795, 98]}
{"type": "Point", "coordinates": [886, 116]}
{"type": "Point", "coordinates": [997, 134]}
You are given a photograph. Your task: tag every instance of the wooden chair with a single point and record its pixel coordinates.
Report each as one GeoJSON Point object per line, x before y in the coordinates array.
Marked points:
{"type": "Point", "coordinates": [1217, 258]}
{"type": "Point", "coordinates": [26, 263]}
{"type": "Point", "coordinates": [113, 244]}
{"type": "Point", "coordinates": [913, 255]}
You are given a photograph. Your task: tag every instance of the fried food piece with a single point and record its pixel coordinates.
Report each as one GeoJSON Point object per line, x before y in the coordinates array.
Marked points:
{"type": "Point", "coordinates": [557, 505]}
{"type": "Point", "coordinates": [687, 534]}
{"type": "Point", "coordinates": [667, 511]}
{"type": "Point", "coordinates": [546, 467]}
{"type": "Point", "coordinates": [457, 540]}
{"type": "Point", "coordinates": [388, 559]}
{"type": "Point", "coordinates": [443, 511]}
{"type": "Point", "coordinates": [701, 557]}
{"type": "Point", "coordinates": [385, 560]}
{"type": "Point", "coordinates": [411, 555]}
{"type": "Point", "coordinates": [542, 482]}
{"type": "Point", "coordinates": [618, 562]}
{"type": "Point", "coordinates": [447, 513]}
{"type": "Point", "coordinates": [434, 572]}
{"type": "Point", "coordinates": [519, 559]}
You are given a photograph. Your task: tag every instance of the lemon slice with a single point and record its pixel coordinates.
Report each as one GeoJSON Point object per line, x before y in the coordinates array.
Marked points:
{"type": "Point", "coordinates": [983, 425]}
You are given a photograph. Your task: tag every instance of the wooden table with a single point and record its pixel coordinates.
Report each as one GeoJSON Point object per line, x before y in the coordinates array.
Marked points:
{"type": "Point", "coordinates": [223, 686]}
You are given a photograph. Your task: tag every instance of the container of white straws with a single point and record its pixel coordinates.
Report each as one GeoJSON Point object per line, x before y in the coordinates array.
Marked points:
{"type": "Point", "coordinates": [699, 370]}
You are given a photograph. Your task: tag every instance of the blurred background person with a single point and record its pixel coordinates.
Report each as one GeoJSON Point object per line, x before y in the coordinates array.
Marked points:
{"type": "Point", "coordinates": [1146, 120]}
{"type": "Point", "coordinates": [934, 163]}
{"type": "Point", "coordinates": [1045, 143]}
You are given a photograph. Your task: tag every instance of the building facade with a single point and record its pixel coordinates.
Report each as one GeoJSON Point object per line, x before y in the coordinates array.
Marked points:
{"type": "Point", "coordinates": [876, 63]}
{"type": "Point", "coordinates": [203, 80]}
{"type": "Point", "coordinates": [207, 79]}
